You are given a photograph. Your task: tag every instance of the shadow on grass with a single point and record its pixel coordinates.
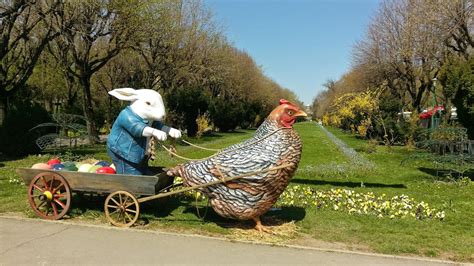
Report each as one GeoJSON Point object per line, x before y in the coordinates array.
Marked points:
{"type": "Point", "coordinates": [447, 172]}
{"type": "Point", "coordinates": [344, 183]}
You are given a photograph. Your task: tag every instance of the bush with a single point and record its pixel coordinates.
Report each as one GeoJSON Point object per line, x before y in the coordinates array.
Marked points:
{"type": "Point", "coordinates": [15, 135]}
{"type": "Point", "coordinates": [458, 81]}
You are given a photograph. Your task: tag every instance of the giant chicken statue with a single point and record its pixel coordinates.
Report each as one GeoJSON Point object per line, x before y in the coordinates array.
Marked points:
{"type": "Point", "coordinates": [275, 143]}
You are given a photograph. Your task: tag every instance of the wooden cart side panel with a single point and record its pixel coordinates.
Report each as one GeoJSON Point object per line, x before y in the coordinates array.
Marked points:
{"type": "Point", "coordinates": [102, 183]}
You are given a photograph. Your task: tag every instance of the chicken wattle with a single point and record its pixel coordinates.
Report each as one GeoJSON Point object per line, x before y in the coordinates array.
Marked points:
{"type": "Point", "coordinates": [275, 143]}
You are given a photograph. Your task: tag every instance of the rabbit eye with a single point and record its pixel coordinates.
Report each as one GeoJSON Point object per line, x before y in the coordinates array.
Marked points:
{"type": "Point", "coordinates": [148, 103]}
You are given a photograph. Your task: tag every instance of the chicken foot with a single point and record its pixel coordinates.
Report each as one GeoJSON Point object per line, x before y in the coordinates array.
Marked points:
{"type": "Point", "coordinates": [260, 227]}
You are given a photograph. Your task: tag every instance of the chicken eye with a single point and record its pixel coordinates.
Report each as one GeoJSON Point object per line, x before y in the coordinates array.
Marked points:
{"type": "Point", "coordinates": [290, 112]}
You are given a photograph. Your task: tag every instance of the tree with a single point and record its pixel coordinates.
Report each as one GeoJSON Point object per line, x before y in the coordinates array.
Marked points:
{"type": "Point", "coordinates": [457, 78]}
{"type": "Point", "coordinates": [405, 42]}
{"type": "Point", "coordinates": [92, 33]}
{"type": "Point", "coordinates": [25, 32]}
{"type": "Point", "coordinates": [457, 18]}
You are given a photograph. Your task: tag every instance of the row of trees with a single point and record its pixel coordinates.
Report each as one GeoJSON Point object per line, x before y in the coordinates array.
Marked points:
{"type": "Point", "coordinates": [415, 52]}
{"type": "Point", "coordinates": [70, 53]}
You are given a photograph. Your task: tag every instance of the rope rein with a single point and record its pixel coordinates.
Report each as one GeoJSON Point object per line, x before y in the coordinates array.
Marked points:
{"type": "Point", "coordinates": [219, 151]}
{"type": "Point", "coordinates": [200, 147]}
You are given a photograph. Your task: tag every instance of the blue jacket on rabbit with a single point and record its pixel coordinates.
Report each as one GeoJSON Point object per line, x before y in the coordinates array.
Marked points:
{"type": "Point", "coordinates": [126, 139]}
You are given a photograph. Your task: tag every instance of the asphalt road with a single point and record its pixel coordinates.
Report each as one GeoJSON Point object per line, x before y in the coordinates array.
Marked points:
{"type": "Point", "coordinates": [31, 241]}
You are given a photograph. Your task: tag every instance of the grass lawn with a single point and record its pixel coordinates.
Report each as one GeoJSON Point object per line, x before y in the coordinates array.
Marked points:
{"type": "Point", "coordinates": [451, 238]}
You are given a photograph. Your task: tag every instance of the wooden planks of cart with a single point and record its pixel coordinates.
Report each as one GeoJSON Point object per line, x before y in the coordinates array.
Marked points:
{"type": "Point", "coordinates": [50, 192]}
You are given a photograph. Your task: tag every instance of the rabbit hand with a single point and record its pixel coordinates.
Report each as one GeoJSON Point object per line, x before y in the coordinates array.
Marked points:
{"type": "Point", "coordinates": [174, 133]}
{"type": "Point", "coordinates": [159, 135]}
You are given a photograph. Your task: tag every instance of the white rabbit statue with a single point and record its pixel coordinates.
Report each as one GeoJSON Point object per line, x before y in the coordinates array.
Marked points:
{"type": "Point", "coordinates": [130, 133]}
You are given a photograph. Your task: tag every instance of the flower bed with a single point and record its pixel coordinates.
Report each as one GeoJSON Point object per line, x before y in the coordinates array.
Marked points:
{"type": "Point", "coordinates": [358, 203]}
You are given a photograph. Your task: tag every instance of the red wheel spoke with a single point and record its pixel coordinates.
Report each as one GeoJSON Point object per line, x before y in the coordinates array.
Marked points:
{"type": "Point", "coordinates": [58, 196]}
{"type": "Point", "coordinates": [41, 204]}
{"type": "Point", "coordinates": [38, 188]}
{"type": "Point", "coordinates": [51, 183]}
{"type": "Point", "coordinates": [57, 188]}
{"type": "Point", "coordinates": [44, 183]}
{"type": "Point", "coordinates": [55, 184]}
{"type": "Point", "coordinates": [55, 209]}
{"type": "Point", "coordinates": [60, 203]}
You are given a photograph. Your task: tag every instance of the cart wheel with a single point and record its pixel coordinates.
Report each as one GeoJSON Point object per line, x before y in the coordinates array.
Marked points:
{"type": "Point", "coordinates": [49, 195]}
{"type": "Point", "coordinates": [122, 208]}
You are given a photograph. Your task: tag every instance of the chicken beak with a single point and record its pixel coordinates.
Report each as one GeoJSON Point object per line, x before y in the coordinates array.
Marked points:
{"type": "Point", "coordinates": [300, 113]}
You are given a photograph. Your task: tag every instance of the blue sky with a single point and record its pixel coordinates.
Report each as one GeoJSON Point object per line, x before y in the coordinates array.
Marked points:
{"type": "Point", "coordinates": [298, 43]}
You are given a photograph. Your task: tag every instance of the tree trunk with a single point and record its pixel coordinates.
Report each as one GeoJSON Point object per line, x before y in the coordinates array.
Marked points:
{"type": "Point", "coordinates": [88, 109]}
{"type": "Point", "coordinates": [3, 110]}
{"type": "Point", "coordinates": [191, 125]}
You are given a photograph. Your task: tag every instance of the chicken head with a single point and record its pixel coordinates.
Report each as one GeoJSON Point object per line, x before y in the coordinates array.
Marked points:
{"type": "Point", "coordinates": [286, 113]}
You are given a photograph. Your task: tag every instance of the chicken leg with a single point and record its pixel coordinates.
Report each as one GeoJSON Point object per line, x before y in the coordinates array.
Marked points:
{"type": "Point", "coordinates": [260, 227]}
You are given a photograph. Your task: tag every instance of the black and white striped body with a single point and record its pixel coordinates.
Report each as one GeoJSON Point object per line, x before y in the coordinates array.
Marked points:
{"type": "Point", "coordinates": [251, 196]}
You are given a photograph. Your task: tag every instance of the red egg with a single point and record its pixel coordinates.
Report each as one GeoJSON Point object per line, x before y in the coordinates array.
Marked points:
{"type": "Point", "coordinates": [54, 161]}
{"type": "Point", "coordinates": [105, 170]}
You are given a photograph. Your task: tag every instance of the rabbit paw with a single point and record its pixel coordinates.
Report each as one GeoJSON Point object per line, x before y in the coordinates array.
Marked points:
{"type": "Point", "coordinates": [159, 135]}
{"type": "Point", "coordinates": [174, 133]}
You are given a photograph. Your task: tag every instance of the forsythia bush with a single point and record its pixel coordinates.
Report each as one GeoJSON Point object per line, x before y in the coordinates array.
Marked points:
{"type": "Point", "coordinates": [204, 123]}
{"type": "Point", "coordinates": [353, 111]}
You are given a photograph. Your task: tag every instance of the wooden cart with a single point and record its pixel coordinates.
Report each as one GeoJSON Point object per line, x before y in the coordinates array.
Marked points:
{"type": "Point", "coordinates": [50, 192]}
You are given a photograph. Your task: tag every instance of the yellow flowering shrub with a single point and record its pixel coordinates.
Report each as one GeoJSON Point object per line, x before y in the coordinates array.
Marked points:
{"type": "Point", "coordinates": [204, 123]}
{"type": "Point", "coordinates": [353, 111]}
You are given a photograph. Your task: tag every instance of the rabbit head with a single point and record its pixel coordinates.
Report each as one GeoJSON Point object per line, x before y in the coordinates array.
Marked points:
{"type": "Point", "coordinates": [147, 104]}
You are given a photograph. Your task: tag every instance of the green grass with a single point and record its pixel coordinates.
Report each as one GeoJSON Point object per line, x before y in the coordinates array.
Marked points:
{"type": "Point", "coordinates": [452, 238]}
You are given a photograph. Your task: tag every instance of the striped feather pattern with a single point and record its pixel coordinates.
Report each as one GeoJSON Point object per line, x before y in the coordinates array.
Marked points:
{"type": "Point", "coordinates": [251, 196]}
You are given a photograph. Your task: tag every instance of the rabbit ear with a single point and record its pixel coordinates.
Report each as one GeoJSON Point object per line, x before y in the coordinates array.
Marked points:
{"type": "Point", "coordinates": [125, 94]}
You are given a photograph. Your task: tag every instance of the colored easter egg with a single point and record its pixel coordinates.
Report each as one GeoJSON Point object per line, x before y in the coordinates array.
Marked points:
{"type": "Point", "coordinates": [58, 166]}
{"type": "Point", "coordinates": [70, 167]}
{"type": "Point", "coordinates": [94, 168]}
{"type": "Point", "coordinates": [113, 166]}
{"type": "Point", "coordinates": [84, 168]}
{"type": "Point", "coordinates": [54, 161]}
{"type": "Point", "coordinates": [41, 166]}
{"type": "Point", "coordinates": [102, 163]}
{"type": "Point", "coordinates": [105, 170]}
{"type": "Point", "coordinates": [68, 163]}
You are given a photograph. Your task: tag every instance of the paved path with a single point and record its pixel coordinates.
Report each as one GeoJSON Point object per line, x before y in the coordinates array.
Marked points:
{"type": "Point", "coordinates": [31, 241]}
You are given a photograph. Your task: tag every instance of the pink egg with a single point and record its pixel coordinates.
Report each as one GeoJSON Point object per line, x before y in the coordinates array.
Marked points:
{"type": "Point", "coordinates": [44, 166]}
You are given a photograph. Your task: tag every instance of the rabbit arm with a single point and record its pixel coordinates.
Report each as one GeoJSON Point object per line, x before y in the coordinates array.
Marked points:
{"type": "Point", "coordinates": [159, 125]}
{"type": "Point", "coordinates": [168, 130]}
{"type": "Point", "coordinates": [149, 131]}
{"type": "Point", "coordinates": [132, 123]}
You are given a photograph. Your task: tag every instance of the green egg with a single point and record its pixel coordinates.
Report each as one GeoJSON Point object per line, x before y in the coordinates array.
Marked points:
{"type": "Point", "coordinates": [94, 168]}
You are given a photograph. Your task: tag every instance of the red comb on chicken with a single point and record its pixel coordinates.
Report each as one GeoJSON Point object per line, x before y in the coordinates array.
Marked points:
{"type": "Point", "coordinates": [275, 143]}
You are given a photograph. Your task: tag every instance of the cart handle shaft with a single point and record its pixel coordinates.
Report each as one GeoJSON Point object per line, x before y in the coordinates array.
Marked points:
{"type": "Point", "coordinates": [224, 180]}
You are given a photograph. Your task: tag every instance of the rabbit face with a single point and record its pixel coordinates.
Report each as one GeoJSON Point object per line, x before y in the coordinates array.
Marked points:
{"type": "Point", "coordinates": [147, 104]}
